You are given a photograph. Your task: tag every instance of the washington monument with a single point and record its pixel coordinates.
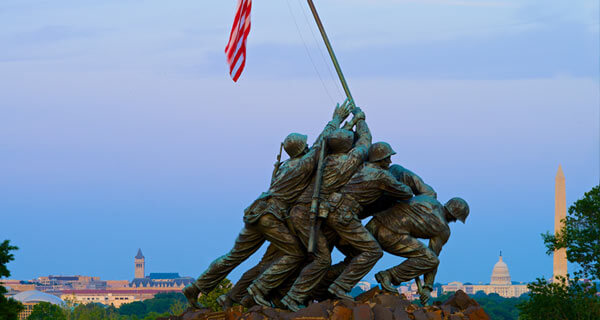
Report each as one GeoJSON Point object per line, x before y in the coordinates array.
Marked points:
{"type": "Point", "coordinates": [560, 213]}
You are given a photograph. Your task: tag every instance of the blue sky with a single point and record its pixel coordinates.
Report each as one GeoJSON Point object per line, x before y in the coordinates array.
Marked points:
{"type": "Point", "coordinates": [120, 127]}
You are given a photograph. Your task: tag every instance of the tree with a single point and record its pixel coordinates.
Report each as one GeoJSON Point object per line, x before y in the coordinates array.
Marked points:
{"type": "Point", "coordinates": [571, 298]}
{"type": "Point", "coordinates": [177, 308]}
{"type": "Point", "coordinates": [137, 308]}
{"type": "Point", "coordinates": [46, 310]}
{"type": "Point", "coordinates": [562, 299]}
{"type": "Point", "coordinates": [210, 300]}
{"type": "Point", "coordinates": [161, 304]}
{"type": "Point", "coordinates": [93, 311]}
{"type": "Point", "coordinates": [9, 308]}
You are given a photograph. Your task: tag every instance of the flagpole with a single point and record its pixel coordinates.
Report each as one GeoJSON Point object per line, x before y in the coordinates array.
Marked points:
{"type": "Point", "coordinates": [330, 49]}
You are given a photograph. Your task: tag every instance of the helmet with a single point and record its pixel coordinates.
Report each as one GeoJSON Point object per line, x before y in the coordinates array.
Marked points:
{"type": "Point", "coordinates": [379, 151]}
{"type": "Point", "coordinates": [340, 140]}
{"type": "Point", "coordinates": [458, 208]}
{"type": "Point", "coordinates": [294, 144]}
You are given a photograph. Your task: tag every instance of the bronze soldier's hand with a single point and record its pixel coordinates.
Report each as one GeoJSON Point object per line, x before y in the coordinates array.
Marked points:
{"type": "Point", "coordinates": [343, 111]}
{"type": "Point", "coordinates": [360, 115]}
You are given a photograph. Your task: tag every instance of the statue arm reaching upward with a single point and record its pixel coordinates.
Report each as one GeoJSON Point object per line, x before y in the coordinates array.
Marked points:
{"type": "Point", "coordinates": [339, 115]}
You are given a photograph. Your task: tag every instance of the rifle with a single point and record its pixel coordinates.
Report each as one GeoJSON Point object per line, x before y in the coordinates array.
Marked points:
{"type": "Point", "coordinates": [315, 224]}
{"type": "Point", "coordinates": [278, 163]}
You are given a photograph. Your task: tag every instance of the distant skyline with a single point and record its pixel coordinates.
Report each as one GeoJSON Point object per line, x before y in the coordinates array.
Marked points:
{"type": "Point", "coordinates": [121, 129]}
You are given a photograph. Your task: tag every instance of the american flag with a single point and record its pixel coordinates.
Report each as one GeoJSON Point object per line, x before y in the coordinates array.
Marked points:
{"type": "Point", "coordinates": [236, 48]}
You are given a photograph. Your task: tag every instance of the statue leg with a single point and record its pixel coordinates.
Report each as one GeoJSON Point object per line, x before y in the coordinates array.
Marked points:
{"type": "Point", "coordinates": [354, 234]}
{"type": "Point", "coordinates": [239, 290]}
{"type": "Point", "coordinates": [292, 256]}
{"type": "Point", "coordinates": [311, 274]}
{"type": "Point", "coordinates": [248, 241]}
{"type": "Point", "coordinates": [420, 259]}
{"type": "Point", "coordinates": [320, 291]}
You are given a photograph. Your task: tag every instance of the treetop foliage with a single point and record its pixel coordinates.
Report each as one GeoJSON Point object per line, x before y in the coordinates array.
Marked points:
{"type": "Point", "coordinates": [9, 308]}
{"type": "Point", "coordinates": [6, 257]}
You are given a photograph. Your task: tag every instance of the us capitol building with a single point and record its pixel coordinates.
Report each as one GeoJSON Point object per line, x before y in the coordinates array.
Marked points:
{"type": "Point", "coordinates": [500, 284]}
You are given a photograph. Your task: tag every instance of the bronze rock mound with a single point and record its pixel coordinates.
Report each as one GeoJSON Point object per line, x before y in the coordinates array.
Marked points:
{"type": "Point", "coordinates": [371, 305]}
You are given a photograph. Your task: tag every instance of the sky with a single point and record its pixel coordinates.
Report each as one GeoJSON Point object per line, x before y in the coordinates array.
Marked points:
{"type": "Point", "coordinates": [120, 127]}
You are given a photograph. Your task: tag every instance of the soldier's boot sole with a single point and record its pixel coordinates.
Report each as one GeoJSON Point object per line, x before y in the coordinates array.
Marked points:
{"type": "Point", "coordinates": [384, 279]}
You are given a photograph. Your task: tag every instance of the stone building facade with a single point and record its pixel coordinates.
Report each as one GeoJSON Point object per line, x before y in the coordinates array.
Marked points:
{"type": "Point", "coordinates": [500, 283]}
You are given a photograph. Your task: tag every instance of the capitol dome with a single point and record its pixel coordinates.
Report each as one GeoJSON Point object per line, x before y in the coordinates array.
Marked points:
{"type": "Point", "coordinates": [500, 275]}
{"type": "Point", "coordinates": [35, 296]}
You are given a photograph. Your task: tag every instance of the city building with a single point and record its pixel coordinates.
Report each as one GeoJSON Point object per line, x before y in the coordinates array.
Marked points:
{"type": "Point", "coordinates": [140, 265]}
{"type": "Point", "coordinates": [18, 285]}
{"type": "Point", "coordinates": [163, 282]}
{"type": "Point", "coordinates": [107, 297]}
{"type": "Point", "coordinates": [85, 289]}
{"type": "Point", "coordinates": [58, 283]}
{"type": "Point", "coordinates": [30, 298]}
{"type": "Point", "coordinates": [500, 283]}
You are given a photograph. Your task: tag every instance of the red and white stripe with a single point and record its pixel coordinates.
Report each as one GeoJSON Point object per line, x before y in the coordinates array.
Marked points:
{"type": "Point", "coordinates": [236, 48]}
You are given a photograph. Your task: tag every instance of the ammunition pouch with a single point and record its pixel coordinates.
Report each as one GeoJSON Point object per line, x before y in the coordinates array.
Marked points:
{"type": "Point", "coordinates": [344, 206]}
{"type": "Point", "coordinates": [265, 204]}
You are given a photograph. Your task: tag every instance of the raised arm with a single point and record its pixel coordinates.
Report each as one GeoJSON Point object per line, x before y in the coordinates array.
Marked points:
{"type": "Point", "coordinates": [362, 131]}
{"type": "Point", "coordinates": [340, 114]}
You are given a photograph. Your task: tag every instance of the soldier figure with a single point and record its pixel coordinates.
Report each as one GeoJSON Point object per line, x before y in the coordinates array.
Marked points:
{"type": "Point", "coordinates": [398, 228]}
{"type": "Point", "coordinates": [344, 203]}
{"type": "Point", "coordinates": [264, 219]}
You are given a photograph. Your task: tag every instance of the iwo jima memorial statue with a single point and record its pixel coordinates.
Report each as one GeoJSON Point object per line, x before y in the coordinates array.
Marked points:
{"type": "Point", "coordinates": [316, 201]}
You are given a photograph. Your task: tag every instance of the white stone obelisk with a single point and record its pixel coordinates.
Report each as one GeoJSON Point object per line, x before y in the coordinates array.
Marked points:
{"type": "Point", "coordinates": [560, 213]}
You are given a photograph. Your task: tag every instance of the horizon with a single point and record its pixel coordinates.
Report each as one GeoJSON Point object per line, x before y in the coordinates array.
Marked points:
{"type": "Point", "coordinates": [121, 128]}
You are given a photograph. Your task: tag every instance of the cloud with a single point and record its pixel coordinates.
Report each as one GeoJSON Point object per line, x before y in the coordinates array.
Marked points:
{"type": "Point", "coordinates": [474, 3]}
{"type": "Point", "coordinates": [51, 34]}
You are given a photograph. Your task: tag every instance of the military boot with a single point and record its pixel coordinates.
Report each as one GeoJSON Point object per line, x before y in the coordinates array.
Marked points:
{"type": "Point", "coordinates": [385, 280]}
{"type": "Point", "coordinates": [191, 293]}
{"type": "Point", "coordinates": [225, 302]}
{"type": "Point", "coordinates": [335, 290]}
{"type": "Point", "coordinates": [258, 296]}
{"type": "Point", "coordinates": [247, 301]}
{"type": "Point", "coordinates": [291, 304]}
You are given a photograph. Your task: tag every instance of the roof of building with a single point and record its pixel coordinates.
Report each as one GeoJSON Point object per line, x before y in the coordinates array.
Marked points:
{"type": "Point", "coordinates": [164, 275]}
{"type": "Point", "coordinates": [147, 282]}
{"type": "Point", "coordinates": [500, 274]}
{"type": "Point", "coordinates": [37, 296]}
{"type": "Point", "coordinates": [116, 292]}
{"type": "Point", "coordinates": [64, 278]}
{"type": "Point", "coordinates": [139, 254]}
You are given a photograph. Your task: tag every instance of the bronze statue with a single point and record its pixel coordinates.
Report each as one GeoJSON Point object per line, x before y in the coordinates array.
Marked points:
{"type": "Point", "coordinates": [398, 229]}
{"type": "Point", "coordinates": [354, 180]}
{"type": "Point", "coordinates": [264, 219]}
